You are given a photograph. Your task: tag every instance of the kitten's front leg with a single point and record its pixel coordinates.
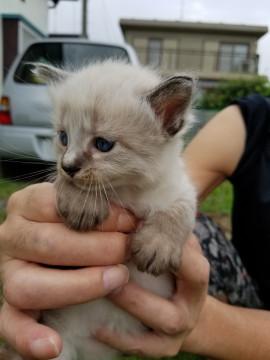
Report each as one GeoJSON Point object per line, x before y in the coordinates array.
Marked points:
{"type": "Point", "coordinates": [157, 245]}
{"type": "Point", "coordinates": [80, 209]}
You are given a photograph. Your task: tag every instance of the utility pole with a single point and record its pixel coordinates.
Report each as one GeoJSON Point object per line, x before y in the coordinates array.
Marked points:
{"type": "Point", "coordinates": [84, 18]}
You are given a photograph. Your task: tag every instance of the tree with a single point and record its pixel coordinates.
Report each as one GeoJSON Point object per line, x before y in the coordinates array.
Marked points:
{"type": "Point", "coordinates": [221, 96]}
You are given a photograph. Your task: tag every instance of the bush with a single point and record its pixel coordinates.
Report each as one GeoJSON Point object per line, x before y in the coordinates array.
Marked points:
{"type": "Point", "coordinates": [221, 96]}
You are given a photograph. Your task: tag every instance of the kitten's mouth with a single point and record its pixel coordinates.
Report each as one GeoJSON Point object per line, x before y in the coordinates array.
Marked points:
{"type": "Point", "coordinates": [88, 182]}
{"type": "Point", "coordinates": [79, 176]}
{"type": "Point", "coordinates": [85, 181]}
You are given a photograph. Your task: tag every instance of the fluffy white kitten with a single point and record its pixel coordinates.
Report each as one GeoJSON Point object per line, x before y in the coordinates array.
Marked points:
{"type": "Point", "coordinates": [119, 140]}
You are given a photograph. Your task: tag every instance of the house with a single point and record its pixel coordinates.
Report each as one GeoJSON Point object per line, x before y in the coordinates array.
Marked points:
{"type": "Point", "coordinates": [213, 51]}
{"type": "Point", "coordinates": [21, 23]}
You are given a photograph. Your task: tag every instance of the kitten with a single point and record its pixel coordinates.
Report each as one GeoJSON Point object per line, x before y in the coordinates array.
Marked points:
{"type": "Point", "coordinates": [120, 132]}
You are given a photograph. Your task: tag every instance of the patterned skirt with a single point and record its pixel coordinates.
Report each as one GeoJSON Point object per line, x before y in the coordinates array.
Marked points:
{"type": "Point", "coordinates": [229, 280]}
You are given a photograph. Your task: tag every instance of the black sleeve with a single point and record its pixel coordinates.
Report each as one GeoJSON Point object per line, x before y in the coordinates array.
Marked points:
{"type": "Point", "coordinates": [255, 110]}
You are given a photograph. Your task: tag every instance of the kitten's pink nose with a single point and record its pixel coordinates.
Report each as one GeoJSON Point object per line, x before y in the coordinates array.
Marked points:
{"type": "Point", "coordinates": [71, 170]}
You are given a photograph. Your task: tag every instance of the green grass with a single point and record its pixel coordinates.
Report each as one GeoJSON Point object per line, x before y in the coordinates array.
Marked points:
{"type": "Point", "coordinates": [220, 200]}
{"type": "Point", "coordinates": [7, 187]}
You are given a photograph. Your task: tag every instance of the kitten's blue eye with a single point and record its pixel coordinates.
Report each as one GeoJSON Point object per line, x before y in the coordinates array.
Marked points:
{"type": "Point", "coordinates": [63, 137]}
{"type": "Point", "coordinates": [103, 145]}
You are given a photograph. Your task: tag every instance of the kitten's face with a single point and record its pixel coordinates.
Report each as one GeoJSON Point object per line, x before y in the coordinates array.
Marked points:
{"type": "Point", "coordinates": [106, 146]}
{"type": "Point", "coordinates": [115, 122]}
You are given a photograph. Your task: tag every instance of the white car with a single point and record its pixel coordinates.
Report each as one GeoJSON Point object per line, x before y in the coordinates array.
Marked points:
{"type": "Point", "coordinates": [25, 109]}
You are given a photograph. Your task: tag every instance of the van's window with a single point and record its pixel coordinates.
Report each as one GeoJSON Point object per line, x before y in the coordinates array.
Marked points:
{"type": "Point", "coordinates": [67, 55]}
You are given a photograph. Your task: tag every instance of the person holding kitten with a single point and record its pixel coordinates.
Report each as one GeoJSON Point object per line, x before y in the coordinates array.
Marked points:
{"type": "Point", "coordinates": [232, 145]}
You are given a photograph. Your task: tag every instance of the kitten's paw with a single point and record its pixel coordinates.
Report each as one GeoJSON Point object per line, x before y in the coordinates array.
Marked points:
{"type": "Point", "coordinates": [153, 252]}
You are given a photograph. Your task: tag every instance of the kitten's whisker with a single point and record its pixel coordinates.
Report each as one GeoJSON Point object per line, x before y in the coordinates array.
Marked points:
{"type": "Point", "coordinates": [106, 195]}
{"type": "Point", "coordinates": [101, 199]}
{"type": "Point", "coordinates": [86, 197]}
{"type": "Point", "coordinates": [79, 215]}
{"type": "Point", "coordinates": [30, 175]}
{"type": "Point", "coordinates": [31, 182]}
{"type": "Point", "coordinates": [115, 193]}
{"type": "Point", "coordinates": [44, 177]}
{"type": "Point", "coordinates": [19, 154]}
{"type": "Point", "coordinates": [51, 177]}
{"type": "Point", "coordinates": [14, 160]}
{"type": "Point", "coordinates": [95, 206]}
{"type": "Point", "coordinates": [120, 201]}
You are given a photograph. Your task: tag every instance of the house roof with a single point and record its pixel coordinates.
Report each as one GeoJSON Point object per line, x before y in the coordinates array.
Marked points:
{"type": "Point", "coordinates": [237, 29]}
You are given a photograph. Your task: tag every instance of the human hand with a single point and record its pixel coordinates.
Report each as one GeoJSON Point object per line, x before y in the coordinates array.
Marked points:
{"type": "Point", "coordinates": [171, 320]}
{"type": "Point", "coordinates": [32, 236]}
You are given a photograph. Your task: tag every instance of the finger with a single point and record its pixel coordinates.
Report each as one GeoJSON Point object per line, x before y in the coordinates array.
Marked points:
{"type": "Point", "coordinates": [193, 241]}
{"type": "Point", "coordinates": [36, 203]}
{"type": "Point", "coordinates": [55, 244]}
{"type": "Point", "coordinates": [31, 339]}
{"type": "Point", "coordinates": [29, 286]}
{"type": "Point", "coordinates": [148, 344]}
{"type": "Point", "coordinates": [193, 276]}
{"type": "Point", "coordinates": [146, 307]}
{"type": "Point", "coordinates": [119, 219]}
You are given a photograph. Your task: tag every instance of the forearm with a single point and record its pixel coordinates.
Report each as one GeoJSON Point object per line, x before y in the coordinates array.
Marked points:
{"type": "Point", "coordinates": [230, 332]}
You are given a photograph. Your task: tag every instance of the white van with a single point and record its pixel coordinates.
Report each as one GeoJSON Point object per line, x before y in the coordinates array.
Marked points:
{"type": "Point", "coordinates": [25, 109]}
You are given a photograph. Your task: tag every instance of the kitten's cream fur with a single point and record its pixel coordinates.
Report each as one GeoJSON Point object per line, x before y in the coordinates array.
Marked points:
{"type": "Point", "coordinates": [146, 117]}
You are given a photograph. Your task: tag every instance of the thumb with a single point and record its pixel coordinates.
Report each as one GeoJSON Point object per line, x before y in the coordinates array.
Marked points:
{"type": "Point", "coordinates": [29, 338]}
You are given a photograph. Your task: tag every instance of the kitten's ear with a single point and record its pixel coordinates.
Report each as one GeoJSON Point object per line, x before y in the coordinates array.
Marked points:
{"type": "Point", "coordinates": [170, 100]}
{"type": "Point", "coordinates": [48, 73]}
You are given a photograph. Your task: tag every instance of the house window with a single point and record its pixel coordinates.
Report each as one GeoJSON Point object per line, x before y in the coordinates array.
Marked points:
{"type": "Point", "coordinates": [154, 52]}
{"type": "Point", "coordinates": [233, 58]}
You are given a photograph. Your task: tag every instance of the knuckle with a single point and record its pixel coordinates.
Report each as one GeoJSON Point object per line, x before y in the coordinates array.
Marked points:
{"type": "Point", "coordinates": [49, 204]}
{"type": "Point", "coordinates": [11, 292]}
{"type": "Point", "coordinates": [191, 323]}
{"type": "Point", "coordinates": [18, 292]}
{"type": "Point", "coordinates": [173, 324]}
{"type": "Point", "coordinates": [13, 201]}
{"type": "Point", "coordinates": [46, 196]}
{"type": "Point", "coordinates": [203, 274]}
{"type": "Point", "coordinates": [7, 229]}
{"type": "Point", "coordinates": [137, 350]}
{"type": "Point", "coordinates": [44, 240]}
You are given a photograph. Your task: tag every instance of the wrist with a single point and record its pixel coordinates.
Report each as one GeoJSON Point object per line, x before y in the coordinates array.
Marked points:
{"type": "Point", "coordinates": [197, 342]}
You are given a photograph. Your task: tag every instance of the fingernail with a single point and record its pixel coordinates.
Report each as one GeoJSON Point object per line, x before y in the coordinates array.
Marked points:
{"type": "Point", "coordinates": [115, 277]}
{"type": "Point", "coordinates": [44, 347]}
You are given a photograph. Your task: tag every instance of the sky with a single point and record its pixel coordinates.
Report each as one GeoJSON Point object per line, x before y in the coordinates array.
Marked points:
{"type": "Point", "coordinates": [104, 15]}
